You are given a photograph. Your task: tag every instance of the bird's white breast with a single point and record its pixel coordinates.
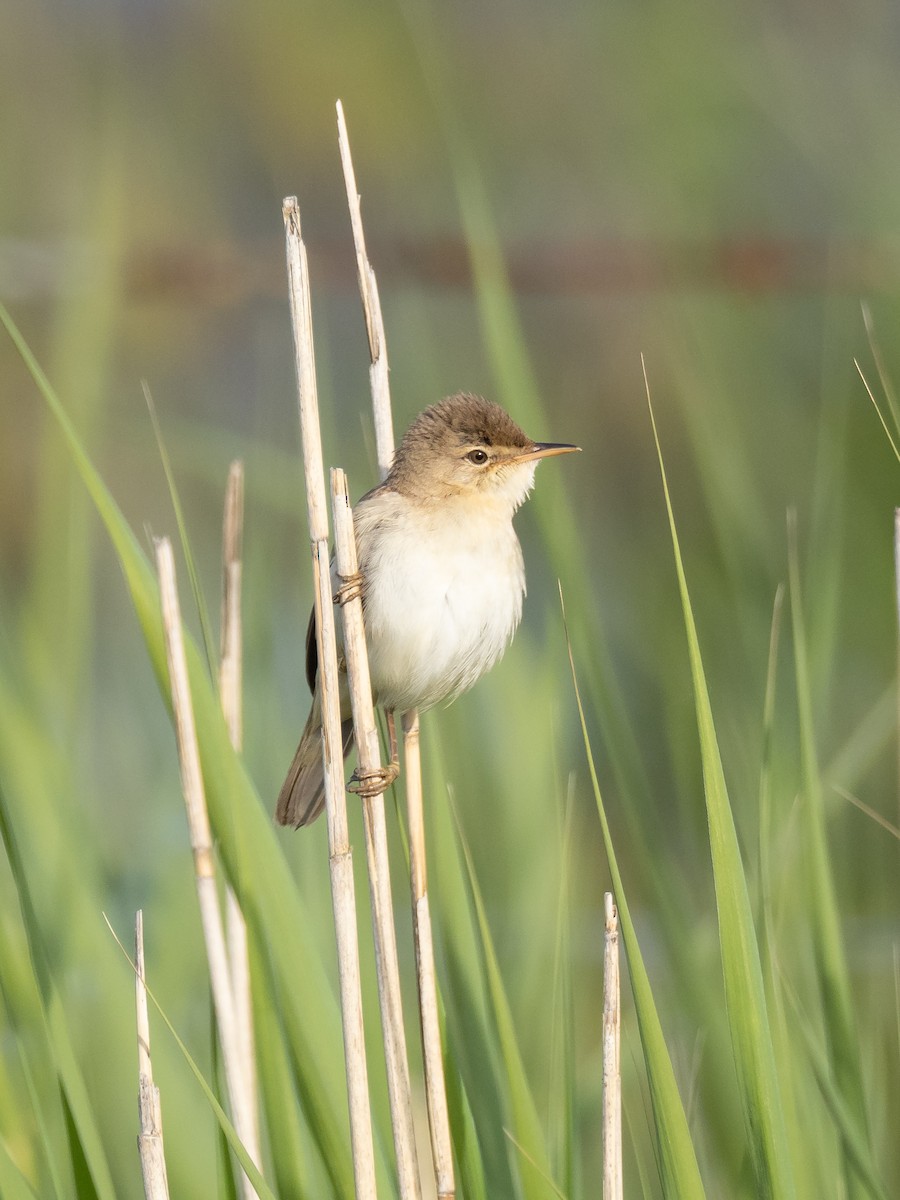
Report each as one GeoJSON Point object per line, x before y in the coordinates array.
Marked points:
{"type": "Point", "coordinates": [443, 595]}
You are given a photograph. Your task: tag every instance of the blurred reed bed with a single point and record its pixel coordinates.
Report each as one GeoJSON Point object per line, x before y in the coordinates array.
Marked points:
{"type": "Point", "coordinates": [760, 1050]}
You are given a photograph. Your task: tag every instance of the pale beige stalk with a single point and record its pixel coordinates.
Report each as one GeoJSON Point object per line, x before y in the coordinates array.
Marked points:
{"type": "Point", "coordinates": [612, 1077]}
{"type": "Point", "coordinates": [340, 855]}
{"type": "Point", "coordinates": [230, 692]}
{"type": "Point", "coordinates": [368, 291]}
{"type": "Point", "coordinates": [369, 756]}
{"type": "Point", "coordinates": [435, 1086]}
{"type": "Point", "coordinates": [201, 846]}
{"type": "Point", "coordinates": [150, 1138]}
{"type": "Point", "coordinates": [435, 1089]}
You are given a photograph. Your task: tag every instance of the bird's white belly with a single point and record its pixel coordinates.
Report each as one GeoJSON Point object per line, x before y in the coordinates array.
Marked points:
{"type": "Point", "coordinates": [441, 605]}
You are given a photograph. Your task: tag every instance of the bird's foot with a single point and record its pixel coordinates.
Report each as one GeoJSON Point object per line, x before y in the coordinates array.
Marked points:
{"type": "Point", "coordinates": [373, 783]}
{"type": "Point", "coordinates": [350, 589]}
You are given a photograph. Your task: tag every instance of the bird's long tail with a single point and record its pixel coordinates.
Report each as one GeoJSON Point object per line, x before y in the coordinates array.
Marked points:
{"type": "Point", "coordinates": [302, 795]}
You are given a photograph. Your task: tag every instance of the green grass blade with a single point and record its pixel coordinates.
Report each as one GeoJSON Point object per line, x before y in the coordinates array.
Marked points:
{"type": "Point", "coordinates": [471, 1034]}
{"type": "Point", "coordinates": [84, 1182]}
{"type": "Point", "coordinates": [648, 1190]}
{"type": "Point", "coordinates": [88, 1158]}
{"type": "Point", "coordinates": [892, 436]}
{"type": "Point", "coordinates": [563, 1151]}
{"type": "Point", "coordinates": [137, 570]}
{"type": "Point", "coordinates": [804, 1169]}
{"type": "Point", "coordinates": [544, 1175]}
{"type": "Point", "coordinates": [84, 322]}
{"type": "Point", "coordinates": [854, 1138]}
{"type": "Point", "coordinates": [744, 992]}
{"type": "Point", "coordinates": [679, 1172]}
{"type": "Point", "coordinates": [277, 1090]}
{"type": "Point", "coordinates": [26, 1023]}
{"type": "Point", "coordinates": [526, 1134]}
{"type": "Point", "coordinates": [227, 1174]}
{"type": "Point", "coordinates": [463, 1129]}
{"type": "Point", "coordinates": [828, 945]}
{"type": "Point", "coordinates": [190, 562]}
{"type": "Point", "coordinates": [766, 887]}
{"type": "Point", "coordinates": [318, 1091]}
{"type": "Point", "coordinates": [13, 1184]}
{"type": "Point", "coordinates": [884, 378]}
{"type": "Point", "coordinates": [873, 732]}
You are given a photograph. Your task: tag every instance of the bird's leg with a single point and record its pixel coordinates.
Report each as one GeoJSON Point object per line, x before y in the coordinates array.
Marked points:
{"type": "Point", "coordinates": [392, 739]}
{"type": "Point", "coordinates": [373, 783]}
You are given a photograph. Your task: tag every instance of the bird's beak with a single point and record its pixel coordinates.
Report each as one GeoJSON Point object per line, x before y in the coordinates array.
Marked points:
{"type": "Point", "coordinates": [544, 450]}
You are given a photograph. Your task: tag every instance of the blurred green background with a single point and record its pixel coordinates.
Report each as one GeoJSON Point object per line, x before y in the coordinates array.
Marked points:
{"type": "Point", "coordinates": [713, 185]}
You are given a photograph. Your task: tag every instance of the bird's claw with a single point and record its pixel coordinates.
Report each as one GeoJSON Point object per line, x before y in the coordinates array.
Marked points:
{"type": "Point", "coordinates": [350, 589]}
{"type": "Point", "coordinates": [373, 783]}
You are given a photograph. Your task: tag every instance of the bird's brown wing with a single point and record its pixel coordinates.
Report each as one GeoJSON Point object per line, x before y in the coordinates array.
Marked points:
{"type": "Point", "coordinates": [312, 652]}
{"type": "Point", "coordinates": [302, 795]}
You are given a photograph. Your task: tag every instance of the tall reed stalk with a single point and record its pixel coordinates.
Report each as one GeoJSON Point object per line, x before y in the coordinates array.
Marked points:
{"type": "Point", "coordinates": [340, 854]}
{"type": "Point", "coordinates": [426, 979]}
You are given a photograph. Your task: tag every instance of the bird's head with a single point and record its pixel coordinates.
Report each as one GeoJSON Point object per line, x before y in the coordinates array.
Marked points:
{"type": "Point", "coordinates": [466, 446]}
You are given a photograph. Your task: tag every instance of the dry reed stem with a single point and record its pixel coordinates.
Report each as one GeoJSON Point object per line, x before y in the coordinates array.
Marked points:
{"type": "Point", "coordinates": [612, 1078]}
{"type": "Point", "coordinates": [230, 692]}
{"type": "Point", "coordinates": [340, 855]}
{"type": "Point", "coordinates": [369, 755]}
{"type": "Point", "coordinates": [150, 1138]}
{"type": "Point", "coordinates": [368, 291]}
{"type": "Point", "coordinates": [201, 847]}
{"type": "Point", "coordinates": [230, 658]}
{"type": "Point", "coordinates": [435, 1086]}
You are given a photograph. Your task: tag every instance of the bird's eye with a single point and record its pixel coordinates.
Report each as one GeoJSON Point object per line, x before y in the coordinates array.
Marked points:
{"type": "Point", "coordinates": [478, 457]}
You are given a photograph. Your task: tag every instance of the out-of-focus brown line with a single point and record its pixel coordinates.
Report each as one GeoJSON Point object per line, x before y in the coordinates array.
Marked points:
{"type": "Point", "coordinates": [228, 273]}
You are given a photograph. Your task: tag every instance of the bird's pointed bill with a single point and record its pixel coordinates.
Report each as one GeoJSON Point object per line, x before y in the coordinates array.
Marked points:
{"type": "Point", "coordinates": [545, 450]}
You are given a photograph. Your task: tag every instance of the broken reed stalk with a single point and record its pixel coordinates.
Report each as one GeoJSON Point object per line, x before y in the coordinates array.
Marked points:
{"type": "Point", "coordinates": [230, 692]}
{"type": "Point", "coordinates": [369, 756]}
{"type": "Point", "coordinates": [340, 857]}
{"type": "Point", "coordinates": [201, 846]}
{"type": "Point", "coordinates": [150, 1138]}
{"type": "Point", "coordinates": [612, 1077]}
{"type": "Point", "coordinates": [435, 1086]}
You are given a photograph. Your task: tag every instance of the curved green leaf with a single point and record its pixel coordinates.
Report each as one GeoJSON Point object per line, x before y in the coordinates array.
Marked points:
{"type": "Point", "coordinates": [745, 998]}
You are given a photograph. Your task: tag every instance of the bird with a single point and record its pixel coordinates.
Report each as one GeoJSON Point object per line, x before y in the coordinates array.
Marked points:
{"type": "Point", "coordinates": [442, 574]}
